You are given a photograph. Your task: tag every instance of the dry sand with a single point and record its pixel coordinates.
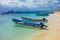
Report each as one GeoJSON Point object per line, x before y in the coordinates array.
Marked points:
{"type": "Point", "coordinates": [54, 29]}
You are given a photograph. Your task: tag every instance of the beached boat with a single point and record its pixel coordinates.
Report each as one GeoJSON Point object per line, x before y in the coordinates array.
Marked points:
{"type": "Point", "coordinates": [34, 20]}
{"type": "Point", "coordinates": [20, 22]}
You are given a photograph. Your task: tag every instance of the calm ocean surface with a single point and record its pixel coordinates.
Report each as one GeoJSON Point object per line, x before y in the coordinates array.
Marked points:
{"type": "Point", "coordinates": [10, 31]}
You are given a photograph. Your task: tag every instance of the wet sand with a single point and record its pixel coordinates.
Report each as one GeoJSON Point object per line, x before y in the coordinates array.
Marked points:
{"type": "Point", "coordinates": [53, 32]}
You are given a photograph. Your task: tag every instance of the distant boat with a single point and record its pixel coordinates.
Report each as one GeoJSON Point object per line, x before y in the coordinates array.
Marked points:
{"type": "Point", "coordinates": [34, 20]}
{"type": "Point", "coordinates": [42, 14]}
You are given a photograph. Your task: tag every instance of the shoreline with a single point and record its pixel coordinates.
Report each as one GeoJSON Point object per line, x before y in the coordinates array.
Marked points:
{"type": "Point", "coordinates": [54, 29]}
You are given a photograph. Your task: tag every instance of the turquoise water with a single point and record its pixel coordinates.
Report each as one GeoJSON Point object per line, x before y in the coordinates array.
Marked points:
{"type": "Point", "coordinates": [10, 31]}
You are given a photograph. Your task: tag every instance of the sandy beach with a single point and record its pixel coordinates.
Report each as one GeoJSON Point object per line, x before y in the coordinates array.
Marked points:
{"type": "Point", "coordinates": [53, 32]}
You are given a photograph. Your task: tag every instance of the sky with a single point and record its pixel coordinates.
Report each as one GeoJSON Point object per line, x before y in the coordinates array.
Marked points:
{"type": "Point", "coordinates": [29, 5]}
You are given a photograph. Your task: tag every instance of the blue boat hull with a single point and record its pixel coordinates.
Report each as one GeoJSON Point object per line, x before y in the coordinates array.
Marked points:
{"type": "Point", "coordinates": [27, 23]}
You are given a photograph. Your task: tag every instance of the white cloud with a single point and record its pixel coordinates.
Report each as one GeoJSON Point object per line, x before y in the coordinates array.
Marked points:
{"type": "Point", "coordinates": [12, 3]}
{"type": "Point", "coordinates": [17, 3]}
{"type": "Point", "coordinates": [29, 3]}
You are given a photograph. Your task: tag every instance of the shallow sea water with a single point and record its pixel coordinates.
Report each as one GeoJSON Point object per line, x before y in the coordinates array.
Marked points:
{"type": "Point", "coordinates": [10, 31]}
